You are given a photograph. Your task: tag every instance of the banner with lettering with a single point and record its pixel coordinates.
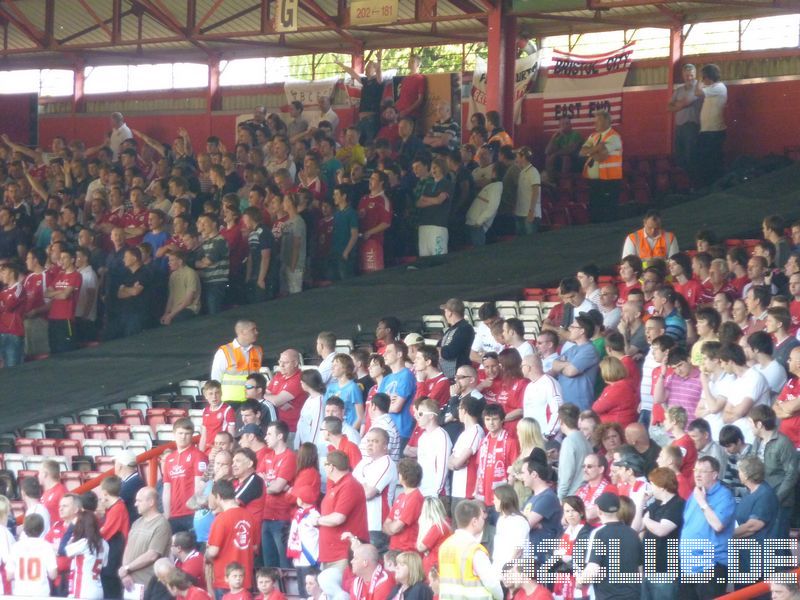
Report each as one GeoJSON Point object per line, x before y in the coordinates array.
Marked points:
{"type": "Point", "coordinates": [526, 69]}
{"type": "Point", "coordinates": [579, 86]}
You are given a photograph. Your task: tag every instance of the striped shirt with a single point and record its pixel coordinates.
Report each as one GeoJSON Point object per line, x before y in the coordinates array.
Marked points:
{"type": "Point", "coordinates": [684, 392]}
{"type": "Point", "coordinates": [464, 479]}
{"type": "Point", "coordinates": [216, 250]}
{"type": "Point", "coordinates": [379, 473]}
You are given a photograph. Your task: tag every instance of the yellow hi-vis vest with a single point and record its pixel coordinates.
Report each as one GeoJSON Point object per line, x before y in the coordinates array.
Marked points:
{"type": "Point", "coordinates": [236, 371]}
{"type": "Point", "coordinates": [457, 579]}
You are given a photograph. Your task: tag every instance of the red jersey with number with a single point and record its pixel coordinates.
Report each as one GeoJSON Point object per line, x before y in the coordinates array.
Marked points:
{"type": "Point", "coordinates": [288, 413]}
{"type": "Point", "coordinates": [218, 420]}
{"type": "Point", "coordinates": [407, 508]}
{"type": "Point", "coordinates": [278, 507]}
{"type": "Point", "coordinates": [12, 310]}
{"type": "Point", "coordinates": [180, 469]}
{"type": "Point", "coordinates": [64, 309]}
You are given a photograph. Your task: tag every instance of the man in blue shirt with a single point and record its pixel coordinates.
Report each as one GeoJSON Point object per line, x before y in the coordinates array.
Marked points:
{"type": "Point", "coordinates": [707, 517]}
{"type": "Point", "coordinates": [400, 385]}
{"type": "Point", "coordinates": [665, 305]}
{"type": "Point", "coordinates": [576, 369]}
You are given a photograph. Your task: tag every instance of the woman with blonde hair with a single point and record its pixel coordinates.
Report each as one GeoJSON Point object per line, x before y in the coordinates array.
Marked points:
{"type": "Point", "coordinates": [6, 541]}
{"type": "Point", "coordinates": [619, 401]}
{"type": "Point", "coordinates": [434, 528]}
{"type": "Point", "coordinates": [410, 577]}
{"type": "Point", "coordinates": [512, 528]}
{"type": "Point", "coordinates": [529, 434]}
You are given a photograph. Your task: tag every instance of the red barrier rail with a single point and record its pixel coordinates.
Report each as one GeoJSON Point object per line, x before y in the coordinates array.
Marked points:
{"type": "Point", "coordinates": [751, 591]}
{"type": "Point", "coordinates": [149, 458]}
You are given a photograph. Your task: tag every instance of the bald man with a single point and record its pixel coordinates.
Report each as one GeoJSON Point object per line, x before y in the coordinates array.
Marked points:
{"type": "Point", "coordinates": [149, 539]}
{"type": "Point", "coordinates": [542, 396]}
{"type": "Point", "coordinates": [636, 435]}
{"type": "Point", "coordinates": [370, 576]}
{"type": "Point", "coordinates": [285, 392]}
{"type": "Point", "coordinates": [157, 587]}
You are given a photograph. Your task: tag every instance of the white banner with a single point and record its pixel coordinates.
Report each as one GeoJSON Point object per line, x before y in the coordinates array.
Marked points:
{"type": "Point", "coordinates": [525, 68]}
{"type": "Point", "coordinates": [579, 86]}
{"type": "Point", "coordinates": [309, 93]}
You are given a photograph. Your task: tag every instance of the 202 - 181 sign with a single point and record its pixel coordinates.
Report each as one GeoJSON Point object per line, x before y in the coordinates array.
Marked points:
{"type": "Point", "coordinates": [373, 12]}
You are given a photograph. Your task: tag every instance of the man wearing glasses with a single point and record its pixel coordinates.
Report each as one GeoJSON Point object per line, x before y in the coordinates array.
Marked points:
{"type": "Point", "coordinates": [595, 483]}
{"type": "Point", "coordinates": [577, 367]}
{"type": "Point", "coordinates": [708, 515]}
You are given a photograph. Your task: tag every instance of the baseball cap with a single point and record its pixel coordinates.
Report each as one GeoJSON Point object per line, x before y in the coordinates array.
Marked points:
{"type": "Point", "coordinates": [608, 502]}
{"type": "Point", "coordinates": [126, 458]}
{"type": "Point", "coordinates": [251, 428]}
{"type": "Point", "coordinates": [413, 339]}
{"type": "Point", "coordinates": [454, 305]}
{"type": "Point", "coordinates": [631, 461]}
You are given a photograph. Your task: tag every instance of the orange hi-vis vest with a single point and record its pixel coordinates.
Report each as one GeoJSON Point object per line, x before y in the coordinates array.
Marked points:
{"type": "Point", "coordinates": [237, 369]}
{"type": "Point", "coordinates": [611, 167]}
{"type": "Point", "coordinates": [643, 248]}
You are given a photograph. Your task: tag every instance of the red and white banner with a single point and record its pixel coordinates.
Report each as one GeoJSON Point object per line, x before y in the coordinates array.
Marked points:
{"type": "Point", "coordinates": [580, 86]}
{"type": "Point", "coordinates": [526, 69]}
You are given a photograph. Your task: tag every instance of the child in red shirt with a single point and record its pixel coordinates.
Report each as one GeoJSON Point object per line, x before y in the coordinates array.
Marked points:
{"type": "Point", "coordinates": [216, 416]}
{"type": "Point", "coordinates": [234, 577]}
{"type": "Point", "coordinates": [267, 580]}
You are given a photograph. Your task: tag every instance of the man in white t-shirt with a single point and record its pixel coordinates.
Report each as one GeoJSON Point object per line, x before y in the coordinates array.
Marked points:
{"type": "Point", "coordinates": [31, 492]}
{"type": "Point", "coordinates": [708, 160]}
{"type": "Point", "coordinates": [758, 349]}
{"type": "Point", "coordinates": [464, 459]}
{"type": "Point", "coordinates": [433, 449]}
{"type": "Point", "coordinates": [542, 396]}
{"type": "Point", "coordinates": [484, 340]}
{"type": "Point", "coordinates": [748, 390]}
{"type": "Point", "coordinates": [377, 473]}
{"type": "Point", "coordinates": [119, 133]}
{"type": "Point", "coordinates": [32, 563]}
{"type": "Point", "coordinates": [528, 207]}
{"type": "Point", "coordinates": [514, 336]}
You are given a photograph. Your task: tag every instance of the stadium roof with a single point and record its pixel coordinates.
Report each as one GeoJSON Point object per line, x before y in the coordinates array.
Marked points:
{"type": "Point", "coordinates": [66, 33]}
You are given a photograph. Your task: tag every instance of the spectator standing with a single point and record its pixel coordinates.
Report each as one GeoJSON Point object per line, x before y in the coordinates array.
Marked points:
{"type": "Point", "coordinates": [63, 292]}
{"type": "Point", "coordinates": [375, 217]}
{"type": "Point", "coordinates": [528, 208]}
{"type": "Point", "coordinates": [708, 160]}
{"type": "Point", "coordinates": [233, 536]}
{"type": "Point", "coordinates": [183, 297]}
{"type": "Point", "coordinates": [603, 169]}
{"type": "Point", "coordinates": [575, 448]}
{"type": "Point", "coordinates": [148, 540]}
{"type": "Point", "coordinates": [31, 563]}
{"type": "Point", "coordinates": [411, 95]}
{"type": "Point", "coordinates": [377, 473]}
{"type": "Point", "coordinates": [400, 386]}
{"type": "Point", "coordinates": [183, 472]}
{"type": "Point", "coordinates": [278, 468]}
{"type": "Point", "coordinates": [685, 104]}
{"type": "Point", "coordinates": [212, 263]}
{"type": "Point", "coordinates": [577, 367]}
{"type": "Point", "coordinates": [456, 341]}
{"type": "Point", "coordinates": [708, 515]}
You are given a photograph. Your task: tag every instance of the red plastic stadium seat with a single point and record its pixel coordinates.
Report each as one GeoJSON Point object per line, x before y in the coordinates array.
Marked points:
{"type": "Point", "coordinates": [663, 164]}
{"type": "Point", "coordinates": [76, 431]}
{"type": "Point", "coordinates": [25, 473]}
{"type": "Point", "coordinates": [680, 180]}
{"type": "Point", "coordinates": [71, 479]}
{"type": "Point", "coordinates": [69, 447]}
{"type": "Point", "coordinates": [641, 193]}
{"type": "Point", "coordinates": [104, 463]}
{"type": "Point", "coordinates": [156, 416]}
{"type": "Point", "coordinates": [25, 446]}
{"type": "Point", "coordinates": [559, 218]}
{"type": "Point", "coordinates": [173, 414]}
{"type": "Point", "coordinates": [97, 432]}
{"type": "Point", "coordinates": [663, 184]}
{"type": "Point", "coordinates": [46, 447]}
{"type": "Point", "coordinates": [131, 416]}
{"type": "Point", "coordinates": [120, 432]}
{"type": "Point", "coordinates": [579, 213]}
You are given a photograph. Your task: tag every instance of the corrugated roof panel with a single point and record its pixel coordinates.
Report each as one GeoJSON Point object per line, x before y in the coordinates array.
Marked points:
{"type": "Point", "coordinates": [248, 22]}
{"type": "Point", "coordinates": [18, 40]}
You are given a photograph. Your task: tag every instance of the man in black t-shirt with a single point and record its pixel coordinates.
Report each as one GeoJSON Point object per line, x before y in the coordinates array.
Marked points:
{"type": "Point", "coordinates": [614, 557]}
{"type": "Point", "coordinates": [134, 295]}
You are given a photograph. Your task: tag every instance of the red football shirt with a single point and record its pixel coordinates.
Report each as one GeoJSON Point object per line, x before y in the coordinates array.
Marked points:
{"type": "Point", "coordinates": [64, 309]}
{"type": "Point", "coordinates": [411, 88]}
{"type": "Point", "coordinates": [289, 413]}
{"type": "Point", "coordinates": [135, 219]}
{"type": "Point", "coordinates": [346, 497]}
{"type": "Point", "coordinates": [378, 587]}
{"type": "Point", "coordinates": [196, 593]}
{"type": "Point", "coordinates": [35, 285]}
{"type": "Point", "coordinates": [791, 427]}
{"type": "Point", "coordinates": [278, 507]}
{"type": "Point", "coordinates": [193, 566]}
{"type": "Point", "coordinates": [237, 535]}
{"type": "Point", "coordinates": [433, 539]}
{"type": "Point", "coordinates": [407, 508]}
{"type": "Point", "coordinates": [116, 520]}
{"type": "Point", "coordinates": [51, 498]}
{"type": "Point", "coordinates": [689, 454]}
{"type": "Point", "coordinates": [12, 310]}
{"type": "Point", "coordinates": [180, 469]}
{"type": "Point", "coordinates": [218, 420]}
{"type": "Point", "coordinates": [509, 396]}
{"type": "Point", "coordinates": [350, 449]}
